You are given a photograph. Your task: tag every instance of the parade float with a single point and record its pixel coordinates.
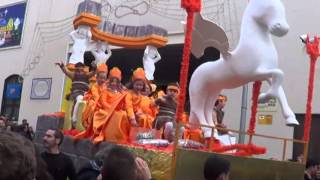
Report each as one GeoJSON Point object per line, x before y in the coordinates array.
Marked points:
{"type": "Point", "coordinates": [255, 59]}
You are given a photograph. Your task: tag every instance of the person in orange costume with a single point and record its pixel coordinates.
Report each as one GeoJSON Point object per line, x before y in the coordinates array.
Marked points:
{"type": "Point", "coordinates": [148, 106]}
{"type": "Point", "coordinates": [110, 123]}
{"type": "Point", "coordinates": [93, 95]}
{"type": "Point", "coordinates": [137, 106]}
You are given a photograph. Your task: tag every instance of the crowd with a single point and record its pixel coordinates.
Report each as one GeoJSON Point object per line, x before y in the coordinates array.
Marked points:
{"type": "Point", "coordinates": [20, 159]}
{"type": "Point", "coordinates": [312, 171]}
{"type": "Point", "coordinates": [23, 129]}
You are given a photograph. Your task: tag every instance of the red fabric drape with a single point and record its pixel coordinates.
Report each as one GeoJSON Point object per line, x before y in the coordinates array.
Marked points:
{"type": "Point", "coordinates": [191, 7]}
{"type": "Point", "coordinates": [256, 90]}
{"type": "Point", "coordinates": [313, 51]}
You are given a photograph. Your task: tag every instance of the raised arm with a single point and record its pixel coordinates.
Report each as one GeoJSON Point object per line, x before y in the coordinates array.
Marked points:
{"type": "Point", "coordinates": [157, 56]}
{"type": "Point", "coordinates": [65, 70]}
{"type": "Point", "coordinates": [109, 52]}
{"type": "Point", "coordinates": [94, 69]}
{"type": "Point", "coordinates": [73, 35]}
{"type": "Point", "coordinates": [89, 35]}
{"type": "Point", "coordinates": [159, 101]}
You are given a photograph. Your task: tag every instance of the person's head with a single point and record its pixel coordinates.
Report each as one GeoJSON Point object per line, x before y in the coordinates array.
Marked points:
{"type": "Point", "coordinates": [138, 80]}
{"type": "Point", "coordinates": [115, 78]}
{"type": "Point", "coordinates": [115, 72]}
{"type": "Point", "coordinates": [2, 124]}
{"type": "Point", "coordinates": [138, 85]}
{"type": "Point", "coordinates": [119, 165]}
{"type": "Point", "coordinates": [216, 168]}
{"type": "Point", "coordinates": [300, 158]}
{"type": "Point", "coordinates": [4, 118]}
{"type": "Point", "coordinates": [312, 166]}
{"type": "Point", "coordinates": [17, 157]}
{"type": "Point", "coordinates": [101, 78]}
{"type": "Point", "coordinates": [102, 72]}
{"type": "Point", "coordinates": [52, 139]}
{"type": "Point", "coordinates": [24, 121]}
{"type": "Point", "coordinates": [147, 90]}
{"type": "Point", "coordinates": [221, 101]}
{"type": "Point", "coordinates": [79, 68]}
{"type": "Point", "coordinates": [102, 154]}
{"type": "Point", "coordinates": [173, 90]}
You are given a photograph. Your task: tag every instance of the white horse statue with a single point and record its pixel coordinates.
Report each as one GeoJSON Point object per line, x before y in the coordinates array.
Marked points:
{"type": "Point", "coordinates": [99, 53]}
{"type": "Point", "coordinates": [254, 59]}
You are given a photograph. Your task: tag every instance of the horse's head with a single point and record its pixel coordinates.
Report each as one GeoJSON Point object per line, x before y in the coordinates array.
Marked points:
{"type": "Point", "coordinates": [270, 14]}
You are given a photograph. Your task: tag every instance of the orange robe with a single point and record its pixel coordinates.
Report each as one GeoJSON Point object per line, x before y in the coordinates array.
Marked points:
{"type": "Point", "coordinates": [92, 100]}
{"type": "Point", "coordinates": [141, 108]}
{"type": "Point", "coordinates": [110, 122]}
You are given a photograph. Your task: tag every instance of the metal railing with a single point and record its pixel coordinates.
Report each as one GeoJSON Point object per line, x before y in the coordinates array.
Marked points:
{"type": "Point", "coordinates": [251, 135]}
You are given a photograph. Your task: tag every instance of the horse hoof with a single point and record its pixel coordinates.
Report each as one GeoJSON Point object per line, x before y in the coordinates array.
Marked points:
{"type": "Point", "coordinates": [291, 122]}
{"type": "Point", "coordinates": [263, 98]}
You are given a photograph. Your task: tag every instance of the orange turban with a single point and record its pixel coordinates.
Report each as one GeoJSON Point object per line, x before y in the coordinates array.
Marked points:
{"type": "Point", "coordinates": [138, 74]}
{"type": "Point", "coordinates": [116, 73]}
{"type": "Point", "coordinates": [102, 68]}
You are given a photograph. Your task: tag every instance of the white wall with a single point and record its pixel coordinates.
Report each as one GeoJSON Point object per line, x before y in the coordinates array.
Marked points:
{"type": "Point", "coordinates": [14, 59]}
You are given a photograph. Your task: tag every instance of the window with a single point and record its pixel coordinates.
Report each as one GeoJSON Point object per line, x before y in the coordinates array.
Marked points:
{"type": "Point", "coordinates": [12, 97]}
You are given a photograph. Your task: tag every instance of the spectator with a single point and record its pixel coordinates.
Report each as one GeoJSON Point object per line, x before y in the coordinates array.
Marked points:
{"type": "Point", "coordinates": [91, 170]}
{"type": "Point", "coordinates": [60, 166]}
{"type": "Point", "coordinates": [42, 169]}
{"type": "Point", "coordinates": [119, 165]}
{"type": "Point", "coordinates": [17, 156]}
{"type": "Point", "coordinates": [300, 158]}
{"type": "Point", "coordinates": [218, 113]}
{"type": "Point", "coordinates": [216, 168]}
{"type": "Point", "coordinates": [218, 108]}
{"type": "Point", "coordinates": [31, 132]}
{"type": "Point", "coordinates": [25, 122]}
{"type": "Point", "coordinates": [2, 124]}
{"type": "Point", "coordinates": [311, 169]}
{"type": "Point", "coordinates": [143, 171]}
{"type": "Point", "coordinates": [318, 173]}
{"type": "Point", "coordinates": [26, 132]}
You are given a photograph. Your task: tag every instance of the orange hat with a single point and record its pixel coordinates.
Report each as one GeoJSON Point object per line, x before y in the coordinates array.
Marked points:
{"type": "Point", "coordinates": [115, 72]}
{"type": "Point", "coordinates": [102, 68]}
{"type": "Point", "coordinates": [138, 74]}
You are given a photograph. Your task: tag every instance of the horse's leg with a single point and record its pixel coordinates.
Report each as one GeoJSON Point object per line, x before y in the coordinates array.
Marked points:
{"type": "Point", "coordinates": [286, 110]}
{"type": "Point", "coordinates": [197, 107]}
{"type": "Point", "coordinates": [278, 92]}
{"type": "Point", "coordinates": [210, 100]}
{"type": "Point", "coordinates": [277, 77]}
